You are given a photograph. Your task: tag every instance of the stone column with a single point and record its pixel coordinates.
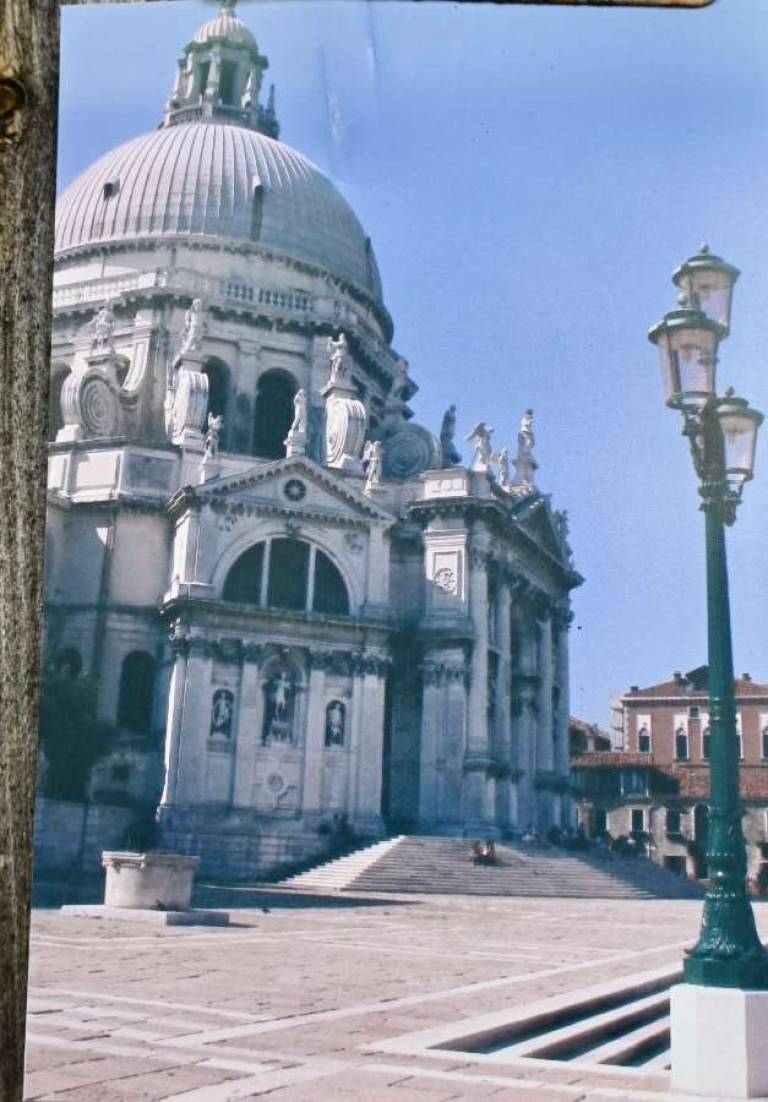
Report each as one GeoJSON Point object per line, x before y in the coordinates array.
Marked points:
{"type": "Point", "coordinates": [544, 740]}
{"type": "Point", "coordinates": [370, 679]}
{"type": "Point", "coordinates": [503, 718]}
{"type": "Point", "coordinates": [193, 725]}
{"type": "Point", "coordinates": [250, 717]}
{"type": "Point", "coordinates": [562, 621]}
{"type": "Point", "coordinates": [180, 647]}
{"type": "Point", "coordinates": [314, 741]}
{"type": "Point", "coordinates": [525, 703]}
{"type": "Point", "coordinates": [478, 753]}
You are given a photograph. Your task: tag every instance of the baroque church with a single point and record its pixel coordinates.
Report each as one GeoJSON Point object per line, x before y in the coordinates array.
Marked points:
{"type": "Point", "coordinates": [299, 606]}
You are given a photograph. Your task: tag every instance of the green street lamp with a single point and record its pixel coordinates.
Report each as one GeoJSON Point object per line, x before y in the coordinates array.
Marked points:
{"type": "Point", "coordinates": [722, 433]}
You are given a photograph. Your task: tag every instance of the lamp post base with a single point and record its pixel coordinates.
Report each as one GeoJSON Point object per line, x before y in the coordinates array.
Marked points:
{"type": "Point", "coordinates": [718, 1039]}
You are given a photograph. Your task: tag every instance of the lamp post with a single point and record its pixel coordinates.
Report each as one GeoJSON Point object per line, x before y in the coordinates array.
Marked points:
{"type": "Point", "coordinates": [722, 432]}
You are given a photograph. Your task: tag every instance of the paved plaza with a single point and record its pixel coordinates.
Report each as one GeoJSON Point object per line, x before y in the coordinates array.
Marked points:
{"type": "Point", "coordinates": [308, 998]}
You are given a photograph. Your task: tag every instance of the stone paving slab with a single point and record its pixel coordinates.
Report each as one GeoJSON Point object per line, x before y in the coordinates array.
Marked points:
{"type": "Point", "coordinates": [291, 1000]}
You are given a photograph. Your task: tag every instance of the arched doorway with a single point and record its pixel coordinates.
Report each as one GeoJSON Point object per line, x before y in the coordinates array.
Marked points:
{"type": "Point", "coordinates": [274, 413]}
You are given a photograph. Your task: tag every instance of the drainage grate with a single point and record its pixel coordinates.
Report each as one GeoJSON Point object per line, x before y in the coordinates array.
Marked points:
{"type": "Point", "coordinates": [620, 1024]}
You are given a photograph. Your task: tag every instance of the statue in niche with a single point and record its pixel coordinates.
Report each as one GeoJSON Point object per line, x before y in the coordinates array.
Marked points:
{"type": "Point", "coordinates": [337, 350]}
{"type": "Point", "coordinates": [299, 424]}
{"type": "Point", "coordinates": [278, 718]}
{"type": "Point", "coordinates": [447, 432]}
{"type": "Point", "coordinates": [334, 724]}
{"type": "Point", "coordinates": [372, 462]}
{"type": "Point", "coordinates": [195, 326]}
{"type": "Point", "coordinates": [211, 447]}
{"type": "Point", "coordinates": [222, 713]}
{"type": "Point", "coordinates": [480, 438]}
{"type": "Point", "coordinates": [104, 326]}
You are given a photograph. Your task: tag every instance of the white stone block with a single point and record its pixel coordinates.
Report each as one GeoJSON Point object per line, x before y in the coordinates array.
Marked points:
{"type": "Point", "coordinates": [719, 1041]}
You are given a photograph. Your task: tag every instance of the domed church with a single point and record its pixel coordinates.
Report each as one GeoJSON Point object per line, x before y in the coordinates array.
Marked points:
{"type": "Point", "coordinates": [299, 606]}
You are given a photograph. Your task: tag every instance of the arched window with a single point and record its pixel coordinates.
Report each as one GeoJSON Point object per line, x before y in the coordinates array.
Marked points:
{"type": "Point", "coordinates": [69, 663]}
{"type": "Point", "coordinates": [681, 744]}
{"type": "Point", "coordinates": [764, 741]}
{"type": "Point", "coordinates": [287, 573]}
{"type": "Point", "coordinates": [55, 415]}
{"type": "Point", "coordinates": [644, 741]}
{"type": "Point", "coordinates": [244, 581]}
{"type": "Point", "coordinates": [274, 414]}
{"type": "Point", "coordinates": [330, 592]}
{"type": "Point", "coordinates": [218, 394]}
{"type": "Point", "coordinates": [137, 686]}
{"type": "Point", "coordinates": [227, 83]}
{"type": "Point", "coordinates": [706, 743]}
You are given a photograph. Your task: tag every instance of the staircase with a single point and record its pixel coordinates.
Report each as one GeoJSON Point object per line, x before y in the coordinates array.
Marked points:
{"type": "Point", "coordinates": [438, 865]}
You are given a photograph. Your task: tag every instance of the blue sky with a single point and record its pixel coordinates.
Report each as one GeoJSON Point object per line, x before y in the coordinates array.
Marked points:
{"type": "Point", "coordinates": [529, 177]}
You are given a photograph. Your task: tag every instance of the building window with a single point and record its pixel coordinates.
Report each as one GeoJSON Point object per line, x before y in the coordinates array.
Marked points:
{"type": "Point", "coordinates": [634, 782]}
{"type": "Point", "coordinates": [638, 820]}
{"type": "Point", "coordinates": [681, 744]}
{"type": "Point", "coordinates": [227, 83]}
{"type": "Point", "coordinates": [287, 573]}
{"type": "Point", "coordinates": [599, 822]}
{"type": "Point", "coordinates": [764, 740]}
{"type": "Point", "coordinates": [137, 687]}
{"type": "Point", "coordinates": [673, 820]}
{"type": "Point", "coordinates": [644, 740]}
{"type": "Point", "coordinates": [110, 189]}
{"type": "Point", "coordinates": [693, 711]}
{"type": "Point", "coordinates": [274, 414]}
{"type": "Point", "coordinates": [706, 744]}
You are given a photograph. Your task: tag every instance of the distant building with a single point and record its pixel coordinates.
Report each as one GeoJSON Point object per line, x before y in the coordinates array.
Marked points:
{"type": "Point", "coordinates": [585, 738]}
{"type": "Point", "coordinates": [657, 788]}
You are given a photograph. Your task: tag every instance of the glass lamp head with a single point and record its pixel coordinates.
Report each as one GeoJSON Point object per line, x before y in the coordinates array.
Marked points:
{"type": "Point", "coordinates": [707, 282]}
{"type": "Point", "coordinates": [739, 424]}
{"type": "Point", "coordinates": [687, 341]}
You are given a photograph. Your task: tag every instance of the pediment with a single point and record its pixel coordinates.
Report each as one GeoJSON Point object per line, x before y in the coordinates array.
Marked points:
{"type": "Point", "coordinates": [542, 524]}
{"type": "Point", "coordinates": [297, 485]}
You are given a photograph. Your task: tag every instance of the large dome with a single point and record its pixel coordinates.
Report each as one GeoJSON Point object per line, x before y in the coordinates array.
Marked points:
{"type": "Point", "coordinates": [212, 179]}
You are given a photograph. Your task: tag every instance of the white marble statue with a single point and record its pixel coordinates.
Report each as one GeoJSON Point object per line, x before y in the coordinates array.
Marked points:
{"type": "Point", "coordinates": [525, 464]}
{"type": "Point", "coordinates": [281, 687]}
{"type": "Point", "coordinates": [104, 326]}
{"type": "Point", "coordinates": [211, 448]}
{"type": "Point", "coordinates": [372, 462]}
{"type": "Point", "coordinates": [480, 438]}
{"type": "Point", "coordinates": [195, 326]}
{"type": "Point", "coordinates": [503, 461]}
{"type": "Point", "coordinates": [337, 350]}
{"type": "Point", "coordinates": [299, 423]}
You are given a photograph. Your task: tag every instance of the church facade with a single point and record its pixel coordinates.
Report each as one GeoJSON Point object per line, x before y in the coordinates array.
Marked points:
{"type": "Point", "coordinates": [298, 604]}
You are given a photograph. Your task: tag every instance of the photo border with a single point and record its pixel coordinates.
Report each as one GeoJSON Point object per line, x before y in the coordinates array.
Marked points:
{"type": "Point", "coordinates": [29, 84]}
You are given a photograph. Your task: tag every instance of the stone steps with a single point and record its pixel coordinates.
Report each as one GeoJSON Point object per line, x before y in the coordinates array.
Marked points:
{"type": "Point", "coordinates": [435, 865]}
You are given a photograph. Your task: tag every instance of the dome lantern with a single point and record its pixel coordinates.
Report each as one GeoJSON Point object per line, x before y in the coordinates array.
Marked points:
{"type": "Point", "coordinates": [219, 77]}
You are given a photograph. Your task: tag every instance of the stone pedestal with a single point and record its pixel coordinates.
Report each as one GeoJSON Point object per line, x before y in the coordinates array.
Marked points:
{"type": "Point", "coordinates": [153, 881]}
{"type": "Point", "coordinates": [719, 1043]}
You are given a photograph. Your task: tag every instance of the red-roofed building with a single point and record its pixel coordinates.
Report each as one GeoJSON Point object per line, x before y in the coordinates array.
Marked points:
{"type": "Point", "coordinates": [656, 788]}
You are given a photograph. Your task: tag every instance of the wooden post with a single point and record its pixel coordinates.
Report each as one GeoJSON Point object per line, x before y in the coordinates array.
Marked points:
{"type": "Point", "coordinates": [29, 48]}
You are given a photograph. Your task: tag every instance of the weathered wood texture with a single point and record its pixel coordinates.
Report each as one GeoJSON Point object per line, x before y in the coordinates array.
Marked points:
{"type": "Point", "coordinates": [29, 44]}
